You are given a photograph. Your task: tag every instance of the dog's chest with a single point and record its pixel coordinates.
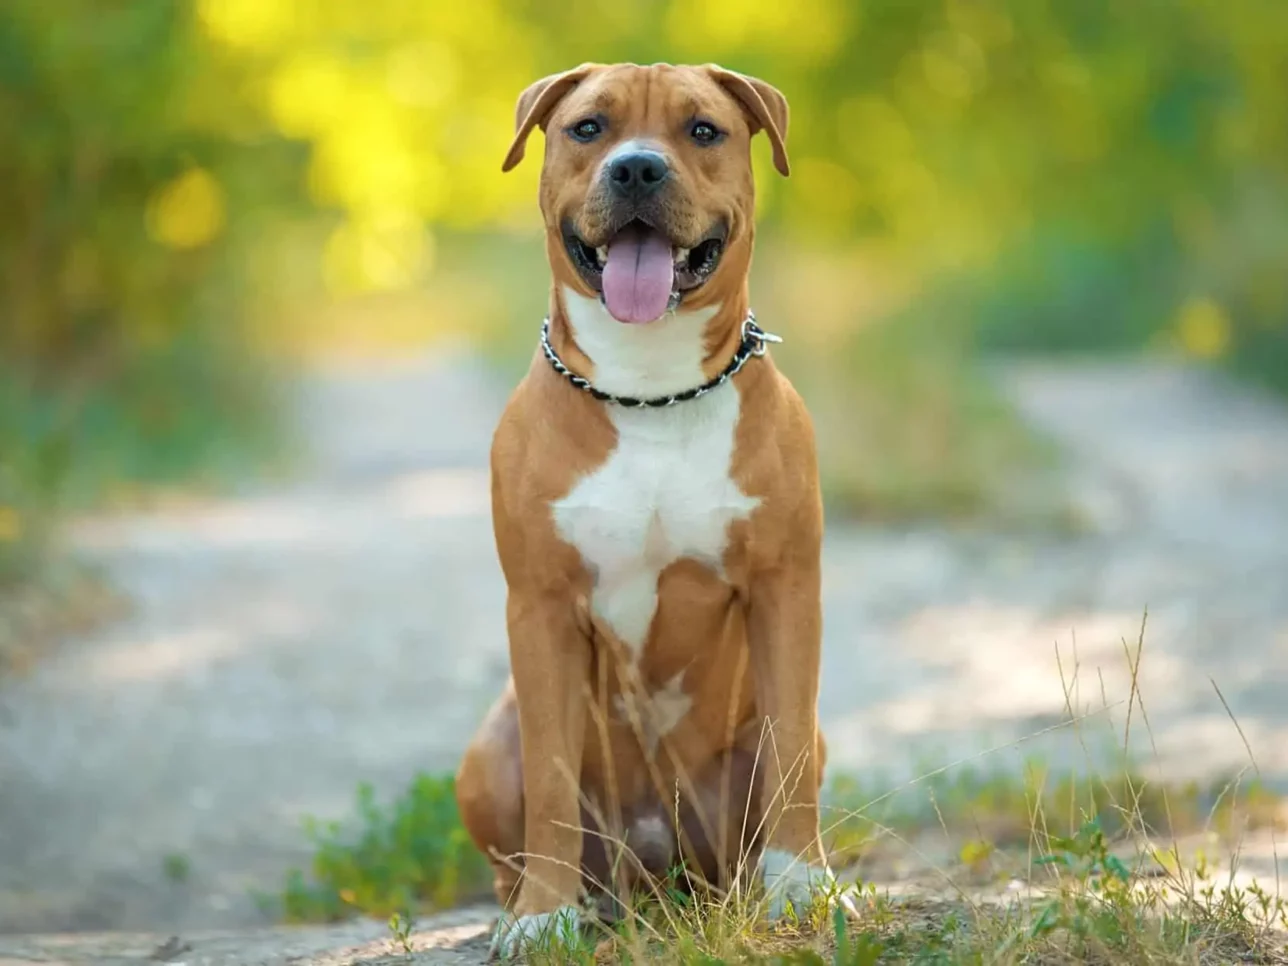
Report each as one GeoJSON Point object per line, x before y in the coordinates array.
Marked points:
{"type": "Point", "coordinates": [664, 493]}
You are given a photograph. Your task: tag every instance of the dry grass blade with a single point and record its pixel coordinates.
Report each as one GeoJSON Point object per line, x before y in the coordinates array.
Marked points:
{"type": "Point", "coordinates": [1079, 883]}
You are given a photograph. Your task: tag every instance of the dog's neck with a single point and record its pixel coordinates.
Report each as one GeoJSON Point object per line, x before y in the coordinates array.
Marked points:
{"type": "Point", "coordinates": [679, 351]}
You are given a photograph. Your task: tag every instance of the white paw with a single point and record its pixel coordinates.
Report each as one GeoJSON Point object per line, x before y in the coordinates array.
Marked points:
{"type": "Point", "coordinates": [512, 936]}
{"type": "Point", "coordinates": [791, 881]}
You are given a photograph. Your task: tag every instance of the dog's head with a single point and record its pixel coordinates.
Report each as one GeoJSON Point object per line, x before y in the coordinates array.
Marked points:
{"type": "Point", "coordinates": [647, 190]}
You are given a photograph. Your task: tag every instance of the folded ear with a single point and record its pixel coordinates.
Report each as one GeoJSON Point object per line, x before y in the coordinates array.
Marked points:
{"type": "Point", "coordinates": [766, 108]}
{"type": "Point", "coordinates": [535, 106]}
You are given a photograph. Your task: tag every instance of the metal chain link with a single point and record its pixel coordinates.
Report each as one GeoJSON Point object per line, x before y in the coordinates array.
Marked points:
{"type": "Point", "coordinates": [754, 340]}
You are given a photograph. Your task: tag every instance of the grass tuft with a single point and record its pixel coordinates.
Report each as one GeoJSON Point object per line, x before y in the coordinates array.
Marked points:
{"type": "Point", "coordinates": [410, 856]}
{"type": "Point", "coordinates": [1081, 867]}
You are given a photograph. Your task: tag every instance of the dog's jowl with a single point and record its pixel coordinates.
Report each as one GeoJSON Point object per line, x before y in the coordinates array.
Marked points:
{"type": "Point", "coordinates": [657, 515]}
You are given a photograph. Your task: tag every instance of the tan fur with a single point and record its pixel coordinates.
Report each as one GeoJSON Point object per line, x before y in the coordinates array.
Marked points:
{"type": "Point", "coordinates": [552, 748]}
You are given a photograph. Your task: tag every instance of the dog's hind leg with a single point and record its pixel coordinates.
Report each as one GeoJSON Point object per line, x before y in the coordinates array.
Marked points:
{"type": "Point", "coordinates": [489, 794]}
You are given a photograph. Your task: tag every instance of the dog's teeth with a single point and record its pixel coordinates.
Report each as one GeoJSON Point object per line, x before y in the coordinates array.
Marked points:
{"type": "Point", "coordinates": [601, 253]}
{"type": "Point", "coordinates": [681, 255]}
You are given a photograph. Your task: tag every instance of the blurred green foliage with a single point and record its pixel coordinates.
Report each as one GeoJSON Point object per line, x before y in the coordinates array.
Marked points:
{"type": "Point", "coordinates": [1067, 174]}
{"type": "Point", "coordinates": [414, 855]}
{"type": "Point", "coordinates": [1101, 173]}
{"type": "Point", "coordinates": [129, 190]}
{"type": "Point", "coordinates": [411, 856]}
{"type": "Point", "coordinates": [1001, 806]}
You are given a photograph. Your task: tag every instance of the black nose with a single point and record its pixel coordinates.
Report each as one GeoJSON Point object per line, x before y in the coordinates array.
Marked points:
{"type": "Point", "coordinates": [638, 174]}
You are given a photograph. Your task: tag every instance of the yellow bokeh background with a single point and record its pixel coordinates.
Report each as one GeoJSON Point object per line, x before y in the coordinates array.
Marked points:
{"type": "Point", "coordinates": [187, 212]}
{"type": "Point", "coordinates": [202, 193]}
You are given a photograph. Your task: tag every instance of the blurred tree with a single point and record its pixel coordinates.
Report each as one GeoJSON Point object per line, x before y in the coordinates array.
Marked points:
{"type": "Point", "coordinates": [1086, 161]}
{"type": "Point", "coordinates": [1079, 173]}
{"type": "Point", "coordinates": [115, 206]}
{"type": "Point", "coordinates": [129, 179]}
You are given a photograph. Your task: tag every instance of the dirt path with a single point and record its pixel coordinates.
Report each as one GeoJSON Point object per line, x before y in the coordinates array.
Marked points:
{"type": "Point", "coordinates": [289, 643]}
{"type": "Point", "coordinates": [457, 938]}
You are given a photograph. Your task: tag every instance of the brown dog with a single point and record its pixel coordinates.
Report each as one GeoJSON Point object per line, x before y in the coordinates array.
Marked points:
{"type": "Point", "coordinates": [657, 515]}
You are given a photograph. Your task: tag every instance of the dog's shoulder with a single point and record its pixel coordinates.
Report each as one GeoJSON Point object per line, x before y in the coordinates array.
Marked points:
{"type": "Point", "coordinates": [776, 455]}
{"type": "Point", "coordinates": [549, 435]}
{"type": "Point", "coordinates": [775, 427]}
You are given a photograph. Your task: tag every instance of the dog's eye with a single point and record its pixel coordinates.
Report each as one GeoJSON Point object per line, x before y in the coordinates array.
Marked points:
{"type": "Point", "coordinates": [704, 132]}
{"type": "Point", "coordinates": [586, 130]}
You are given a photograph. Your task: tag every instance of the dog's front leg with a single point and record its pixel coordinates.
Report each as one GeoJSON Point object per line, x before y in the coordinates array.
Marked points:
{"type": "Point", "coordinates": [784, 631]}
{"type": "Point", "coordinates": [550, 661]}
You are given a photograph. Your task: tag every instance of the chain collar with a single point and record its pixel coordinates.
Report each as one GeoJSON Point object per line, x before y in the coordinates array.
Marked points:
{"type": "Point", "coordinates": [754, 340]}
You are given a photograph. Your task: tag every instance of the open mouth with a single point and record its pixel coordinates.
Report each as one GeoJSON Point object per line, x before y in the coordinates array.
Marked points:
{"type": "Point", "coordinates": [640, 273]}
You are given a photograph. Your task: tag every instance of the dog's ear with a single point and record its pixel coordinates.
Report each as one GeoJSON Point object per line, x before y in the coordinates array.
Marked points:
{"type": "Point", "coordinates": [535, 105]}
{"type": "Point", "coordinates": [766, 108]}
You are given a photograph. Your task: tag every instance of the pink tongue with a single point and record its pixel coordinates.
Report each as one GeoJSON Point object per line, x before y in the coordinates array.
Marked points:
{"type": "Point", "coordinates": [638, 276]}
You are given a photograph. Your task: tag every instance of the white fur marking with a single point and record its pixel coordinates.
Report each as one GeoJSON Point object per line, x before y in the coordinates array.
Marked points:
{"type": "Point", "coordinates": [665, 492]}
{"type": "Point", "coordinates": [790, 879]}
{"type": "Point", "coordinates": [651, 835]}
{"type": "Point", "coordinates": [664, 709]}
{"type": "Point", "coordinates": [514, 935]}
{"type": "Point", "coordinates": [639, 359]}
{"type": "Point", "coordinates": [633, 146]}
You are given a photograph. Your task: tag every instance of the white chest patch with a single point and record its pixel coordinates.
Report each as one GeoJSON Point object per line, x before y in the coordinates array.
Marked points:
{"type": "Point", "coordinates": [656, 716]}
{"type": "Point", "coordinates": [665, 492]}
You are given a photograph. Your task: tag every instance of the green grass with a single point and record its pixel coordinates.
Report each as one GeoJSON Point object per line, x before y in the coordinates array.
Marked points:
{"type": "Point", "coordinates": [1091, 908]}
{"type": "Point", "coordinates": [988, 811]}
{"type": "Point", "coordinates": [1069, 839]}
{"type": "Point", "coordinates": [408, 857]}
{"type": "Point", "coordinates": [176, 867]}
{"type": "Point", "coordinates": [1100, 865]}
{"type": "Point", "coordinates": [1082, 902]}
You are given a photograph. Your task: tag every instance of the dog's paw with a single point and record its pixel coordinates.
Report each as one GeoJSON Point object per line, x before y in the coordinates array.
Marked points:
{"type": "Point", "coordinates": [792, 883]}
{"type": "Point", "coordinates": [513, 936]}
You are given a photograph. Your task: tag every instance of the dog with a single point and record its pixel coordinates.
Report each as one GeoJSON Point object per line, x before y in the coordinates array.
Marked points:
{"type": "Point", "coordinates": [658, 519]}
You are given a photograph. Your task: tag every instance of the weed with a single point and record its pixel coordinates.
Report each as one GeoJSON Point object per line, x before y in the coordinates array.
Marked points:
{"type": "Point", "coordinates": [400, 926]}
{"type": "Point", "coordinates": [410, 855]}
{"type": "Point", "coordinates": [1058, 869]}
{"type": "Point", "coordinates": [176, 867]}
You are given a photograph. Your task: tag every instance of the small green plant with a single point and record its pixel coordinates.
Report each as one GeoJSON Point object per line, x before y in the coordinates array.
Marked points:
{"type": "Point", "coordinates": [1092, 905]}
{"type": "Point", "coordinates": [1087, 878]}
{"type": "Point", "coordinates": [1094, 898]}
{"type": "Point", "coordinates": [176, 867]}
{"type": "Point", "coordinates": [401, 927]}
{"type": "Point", "coordinates": [992, 810]}
{"type": "Point", "coordinates": [392, 860]}
{"type": "Point", "coordinates": [864, 949]}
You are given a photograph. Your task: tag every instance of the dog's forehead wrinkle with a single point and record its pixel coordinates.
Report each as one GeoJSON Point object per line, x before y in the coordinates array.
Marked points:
{"type": "Point", "coordinates": [629, 94]}
{"type": "Point", "coordinates": [688, 105]}
{"type": "Point", "coordinates": [606, 93]}
{"type": "Point", "coordinates": [604, 99]}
